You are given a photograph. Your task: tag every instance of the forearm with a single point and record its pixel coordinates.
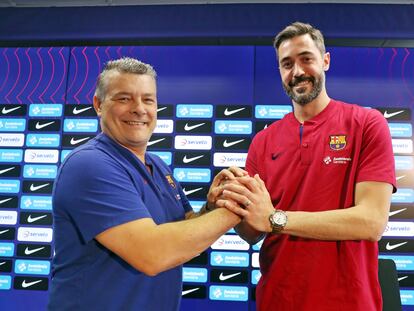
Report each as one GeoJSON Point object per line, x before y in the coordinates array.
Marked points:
{"type": "Point", "coordinates": [353, 223]}
{"type": "Point", "coordinates": [247, 233]}
{"type": "Point", "coordinates": [178, 242]}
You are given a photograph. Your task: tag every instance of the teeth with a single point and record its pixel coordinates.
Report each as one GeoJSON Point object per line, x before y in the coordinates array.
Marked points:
{"type": "Point", "coordinates": [134, 122]}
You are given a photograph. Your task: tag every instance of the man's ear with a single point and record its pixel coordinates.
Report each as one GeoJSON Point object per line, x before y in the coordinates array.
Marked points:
{"type": "Point", "coordinates": [326, 61]}
{"type": "Point", "coordinates": [97, 105]}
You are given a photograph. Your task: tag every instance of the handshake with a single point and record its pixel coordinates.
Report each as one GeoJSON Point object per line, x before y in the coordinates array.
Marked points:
{"type": "Point", "coordinates": [243, 195]}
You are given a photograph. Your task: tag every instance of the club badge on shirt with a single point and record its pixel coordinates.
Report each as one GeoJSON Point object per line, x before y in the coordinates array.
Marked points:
{"type": "Point", "coordinates": [170, 181]}
{"type": "Point", "coordinates": [337, 142]}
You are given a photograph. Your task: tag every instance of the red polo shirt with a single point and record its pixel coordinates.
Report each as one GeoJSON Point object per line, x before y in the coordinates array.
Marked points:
{"type": "Point", "coordinates": [314, 167]}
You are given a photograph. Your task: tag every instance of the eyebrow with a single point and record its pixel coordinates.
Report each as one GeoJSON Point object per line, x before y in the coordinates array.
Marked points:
{"type": "Point", "coordinates": [304, 53]}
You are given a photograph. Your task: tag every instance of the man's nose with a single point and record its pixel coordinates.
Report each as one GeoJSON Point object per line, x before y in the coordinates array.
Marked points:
{"type": "Point", "coordinates": [138, 106]}
{"type": "Point", "coordinates": [297, 70]}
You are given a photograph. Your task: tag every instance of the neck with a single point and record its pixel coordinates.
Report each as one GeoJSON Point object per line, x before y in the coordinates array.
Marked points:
{"type": "Point", "coordinates": [311, 109]}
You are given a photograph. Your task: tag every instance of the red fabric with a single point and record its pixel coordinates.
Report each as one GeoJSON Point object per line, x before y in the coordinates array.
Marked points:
{"type": "Point", "coordinates": [341, 146]}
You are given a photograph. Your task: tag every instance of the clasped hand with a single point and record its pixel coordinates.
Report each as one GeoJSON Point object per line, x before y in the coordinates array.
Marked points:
{"type": "Point", "coordinates": [243, 195]}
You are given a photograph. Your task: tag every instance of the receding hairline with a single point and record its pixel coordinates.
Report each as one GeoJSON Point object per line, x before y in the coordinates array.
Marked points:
{"type": "Point", "coordinates": [125, 65]}
{"type": "Point", "coordinates": [298, 29]}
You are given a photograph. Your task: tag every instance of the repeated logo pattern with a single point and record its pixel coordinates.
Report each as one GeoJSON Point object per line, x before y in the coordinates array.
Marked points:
{"type": "Point", "coordinates": [46, 111]}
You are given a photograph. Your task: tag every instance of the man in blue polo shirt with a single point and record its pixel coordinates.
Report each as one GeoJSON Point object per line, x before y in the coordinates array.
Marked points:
{"type": "Point", "coordinates": [123, 226]}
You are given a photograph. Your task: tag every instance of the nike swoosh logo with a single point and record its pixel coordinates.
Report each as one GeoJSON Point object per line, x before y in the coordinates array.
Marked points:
{"type": "Point", "coordinates": [188, 160]}
{"type": "Point", "coordinates": [25, 285]}
{"type": "Point", "coordinates": [28, 251]}
{"type": "Point", "coordinates": [400, 177]}
{"type": "Point", "coordinates": [396, 212]}
{"type": "Point", "coordinates": [78, 111]}
{"type": "Point", "coordinates": [6, 111]}
{"type": "Point", "coordinates": [3, 263]}
{"type": "Point", "coordinates": [150, 143]}
{"type": "Point", "coordinates": [389, 115]}
{"type": "Point", "coordinates": [31, 219]}
{"type": "Point", "coordinates": [39, 126]}
{"type": "Point", "coordinates": [185, 292]}
{"type": "Point", "coordinates": [402, 278]}
{"type": "Point", "coordinates": [35, 188]}
{"type": "Point", "coordinates": [161, 109]}
{"type": "Point", "coordinates": [223, 277]}
{"type": "Point", "coordinates": [5, 200]}
{"type": "Point", "coordinates": [4, 231]}
{"type": "Point", "coordinates": [6, 170]}
{"type": "Point", "coordinates": [390, 247]}
{"type": "Point", "coordinates": [187, 192]}
{"type": "Point", "coordinates": [228, 112]}
{"type": "Point", "coordinates": [192, 127]}
{"type": "Point", "coordinates": [229, 144]}
{"type": "Point", "coordinates": [74, 141]}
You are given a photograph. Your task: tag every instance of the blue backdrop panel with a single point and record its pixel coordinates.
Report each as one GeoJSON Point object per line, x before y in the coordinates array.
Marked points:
{"type": "Point", "coordinates": [33, 75]}
{"type": "Point", "coordinates": [374, 77]}
{"type": "Point", "coordinates": [206, 74]}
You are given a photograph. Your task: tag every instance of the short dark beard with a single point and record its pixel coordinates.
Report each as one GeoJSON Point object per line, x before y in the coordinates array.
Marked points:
{"type": "Point", "coordinates": [317, 85]}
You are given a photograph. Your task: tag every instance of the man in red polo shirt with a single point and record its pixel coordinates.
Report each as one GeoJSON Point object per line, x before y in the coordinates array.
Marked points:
{"type": "Point", "coordinates": [323, 196]}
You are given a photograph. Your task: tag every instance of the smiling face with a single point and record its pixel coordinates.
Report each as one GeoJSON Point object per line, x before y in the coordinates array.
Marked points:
{"type": "Point", "coordinates": [128, 111]}
{"type": "Point", "coordinates": [302, 69]}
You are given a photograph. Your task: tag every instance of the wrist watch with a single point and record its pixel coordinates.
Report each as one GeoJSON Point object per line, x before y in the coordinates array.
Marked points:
{"type": "Point", "coordinates": [278, 220]}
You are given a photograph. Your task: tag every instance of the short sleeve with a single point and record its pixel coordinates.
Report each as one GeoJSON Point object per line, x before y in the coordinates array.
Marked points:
{"type": "Point", "coordinates": [96, 193]}
{"type": "Point", "coordinates": [376, 162]}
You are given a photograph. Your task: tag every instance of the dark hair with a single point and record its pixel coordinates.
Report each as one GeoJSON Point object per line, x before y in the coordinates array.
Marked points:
{"type": "Point", "coordinates": [123, 65]}
{"type": "Point", "coordinates": [299, 29]}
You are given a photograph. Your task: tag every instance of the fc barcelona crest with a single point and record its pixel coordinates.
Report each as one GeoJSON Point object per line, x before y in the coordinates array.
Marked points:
{"type": "Point", "coordinates": [170, 180]}
{"type": "Point", "coordinates": [337, 142]}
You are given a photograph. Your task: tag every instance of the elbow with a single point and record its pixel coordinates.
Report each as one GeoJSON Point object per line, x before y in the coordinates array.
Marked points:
{"type": "Point", "coordinates": [376, 231]}
{"type": "Point", "coordinates": [150, 270]}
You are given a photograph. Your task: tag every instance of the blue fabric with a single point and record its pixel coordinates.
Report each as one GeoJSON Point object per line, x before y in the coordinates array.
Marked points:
{"type": "Point", "coordinates": [101, 185]}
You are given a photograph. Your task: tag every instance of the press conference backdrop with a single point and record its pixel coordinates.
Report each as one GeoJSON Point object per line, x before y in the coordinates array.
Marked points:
{"type": "Point", "coordinates": [212, 101]}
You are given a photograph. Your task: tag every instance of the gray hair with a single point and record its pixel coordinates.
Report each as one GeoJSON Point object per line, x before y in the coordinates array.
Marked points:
{"type": "Point", "coordinates": [122, 65]}
{"type": "Point", "coordinates": [299, 29]}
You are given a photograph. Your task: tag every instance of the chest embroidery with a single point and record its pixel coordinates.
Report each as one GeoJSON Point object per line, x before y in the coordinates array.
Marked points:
{"type": "Point", "coordinates": [337, 142]}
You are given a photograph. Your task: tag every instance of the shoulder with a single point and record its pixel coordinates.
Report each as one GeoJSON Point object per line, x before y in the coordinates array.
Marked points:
{"type": "Point", "coordinates": [87, 159]}
{"type": "Point", "coordinates": [272, 130]}
{"type": "Point", "coordinates": [358, 113]}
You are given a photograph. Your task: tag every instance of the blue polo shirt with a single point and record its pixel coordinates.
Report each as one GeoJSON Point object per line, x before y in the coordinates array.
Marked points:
{"type": "Point", "coordinates": [101, 185]}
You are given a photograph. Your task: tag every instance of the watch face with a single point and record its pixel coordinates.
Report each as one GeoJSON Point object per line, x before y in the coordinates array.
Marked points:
{"type": "Point", "coordinates": [279, 218]}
